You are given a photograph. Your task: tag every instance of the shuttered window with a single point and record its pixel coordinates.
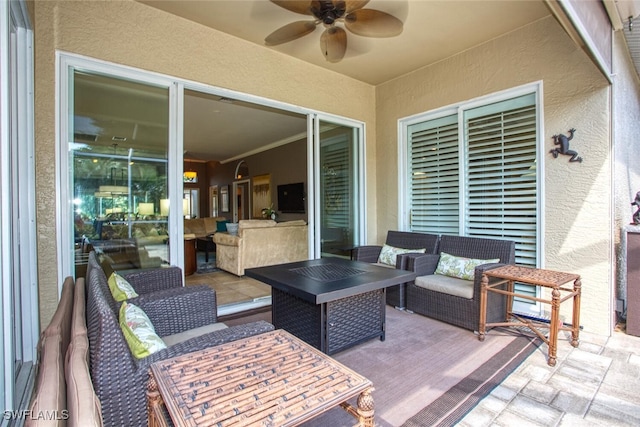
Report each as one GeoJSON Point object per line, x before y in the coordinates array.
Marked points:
{"type": "Point", "coordinates": [473, 173]}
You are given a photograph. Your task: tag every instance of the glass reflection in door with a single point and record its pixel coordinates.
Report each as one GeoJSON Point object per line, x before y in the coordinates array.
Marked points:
{"type": "Point", "coordinates": [339, 190]}
{"type": "Point", "coordinates": [118, 152]}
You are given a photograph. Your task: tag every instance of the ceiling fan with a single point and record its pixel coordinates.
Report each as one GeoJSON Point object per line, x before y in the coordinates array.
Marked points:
{"type": "Point", "coordinates": [333, 42]}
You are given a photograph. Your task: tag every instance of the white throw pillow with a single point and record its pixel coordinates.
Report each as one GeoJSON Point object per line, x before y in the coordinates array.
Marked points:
{"type": "Point", "coordinates": [388, 254]}
{"type": "Point", "coordinates": [460, 267]}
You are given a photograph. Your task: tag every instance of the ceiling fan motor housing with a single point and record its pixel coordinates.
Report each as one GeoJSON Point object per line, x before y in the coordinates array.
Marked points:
{"type": "Point", "coordinates": [328, 11]}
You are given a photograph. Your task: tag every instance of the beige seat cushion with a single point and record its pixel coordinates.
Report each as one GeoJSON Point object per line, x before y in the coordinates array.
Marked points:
{"type": "Point", "coordinates": [51, 395]}
{"type": "Point", "coordinates": [174, 339]}
{"type": "Point", "coordinates": [446, 285]}
{"type": "Point", "coordinates": [82, 402]}
{"type": "Point", "coordinates": [78, 315]}
{"type": "Point", "coordinates": [60, 323]}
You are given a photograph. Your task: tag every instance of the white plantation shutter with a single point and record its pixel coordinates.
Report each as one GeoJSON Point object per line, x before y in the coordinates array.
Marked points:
{"type": "Point", "coordinates": [337, 193]}
{"type": "Point", "coordinates": [434, 176]}
{"type": "Point", "coordinates": [478, 177]}
{"type": "Point", "coordinates": [500, 181]}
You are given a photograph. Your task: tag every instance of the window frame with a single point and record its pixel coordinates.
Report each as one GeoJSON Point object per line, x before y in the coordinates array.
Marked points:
{"type": "Point", "coordinates": [459, 109]}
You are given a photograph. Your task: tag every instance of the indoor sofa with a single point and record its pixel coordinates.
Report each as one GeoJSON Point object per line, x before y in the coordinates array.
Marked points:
{"type": "Point", "coordinates": [451, 299]}
{"type": "Point", "coordinates": [260, 243]}
{"type": "Point", "coordinates": [203, 227]}
{"type": "Point", "coordinates": [179, 315]}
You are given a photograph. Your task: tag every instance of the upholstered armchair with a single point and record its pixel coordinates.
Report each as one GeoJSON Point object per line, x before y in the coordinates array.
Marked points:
{"type": "Point", "coordinates": [260, 243]}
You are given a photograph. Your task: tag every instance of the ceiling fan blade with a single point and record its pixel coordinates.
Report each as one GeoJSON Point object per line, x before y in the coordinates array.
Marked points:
{"type": "Point", "coordinates": [373, 23]}
{"type": "Point", "coordinates": [297, 6]}
{"type": "Point", "coordinates": [355, 4]}
{"type": "Point", "coordinates": [333, 43]}
{"type": "Point", "coordinates": [290, 32]}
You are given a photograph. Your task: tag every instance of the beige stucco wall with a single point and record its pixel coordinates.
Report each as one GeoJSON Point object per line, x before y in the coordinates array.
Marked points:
{"type": "Point", "coordinates": [577, 229]}
{"type": "Point", "coordinates": [131, 33]}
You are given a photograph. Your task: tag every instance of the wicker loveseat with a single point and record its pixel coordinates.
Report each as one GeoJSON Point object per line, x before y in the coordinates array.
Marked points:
{"type": "Point", "coordinates": [463, 311]}
{"type": "Point", "coordinates": [397, 239]}
{"type": "Point", "coordinates": [119, 378]}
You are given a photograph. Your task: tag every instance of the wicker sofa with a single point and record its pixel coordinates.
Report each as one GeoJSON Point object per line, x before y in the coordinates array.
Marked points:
{"type": "Point", "coordinates": [463, 311]}
{"type": "Point", "coordinates": [120, 379]}
{"type": "Point", "coordinates": [399, 239]}
{"type": "Point", "coordinates": [260, 243]}
{"type": "Point", "coordinates": [64, 394]}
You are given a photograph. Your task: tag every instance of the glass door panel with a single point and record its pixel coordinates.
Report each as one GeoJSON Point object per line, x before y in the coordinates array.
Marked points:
{"type": "Point", "coordinates": [119, 152]}
{"type": "Point", "coordinates": [339, 189]}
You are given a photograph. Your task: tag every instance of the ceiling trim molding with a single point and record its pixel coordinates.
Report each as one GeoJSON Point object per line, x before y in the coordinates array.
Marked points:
{"type": "Point", "coordinates": [293, 138]}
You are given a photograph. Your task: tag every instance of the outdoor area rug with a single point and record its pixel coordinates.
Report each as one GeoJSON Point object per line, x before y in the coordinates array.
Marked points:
{"type": "Point", "coordinates": [429, 373]}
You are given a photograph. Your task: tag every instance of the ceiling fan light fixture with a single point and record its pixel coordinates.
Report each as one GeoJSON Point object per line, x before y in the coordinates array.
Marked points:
{"type": "Point", "coordinates": [333, 41]}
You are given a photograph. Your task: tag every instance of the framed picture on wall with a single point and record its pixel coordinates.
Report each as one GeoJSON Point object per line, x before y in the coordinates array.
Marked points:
{"type": "Point", "coordinates": [224, 198]}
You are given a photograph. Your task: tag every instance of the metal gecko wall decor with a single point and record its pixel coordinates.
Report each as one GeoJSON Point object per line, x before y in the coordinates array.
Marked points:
{"type": "Point", "coordinates": [562, 141]}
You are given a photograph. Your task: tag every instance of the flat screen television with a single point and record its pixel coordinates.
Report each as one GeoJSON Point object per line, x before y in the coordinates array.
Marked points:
{"type": "Point", "coordinates": [291, 198]}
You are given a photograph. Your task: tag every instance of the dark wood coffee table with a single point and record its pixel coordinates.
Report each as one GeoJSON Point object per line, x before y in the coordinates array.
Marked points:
{"type": "Point", "coordinates": [207, 245]}
{"type": "Point", "coordinates": [331, 303]}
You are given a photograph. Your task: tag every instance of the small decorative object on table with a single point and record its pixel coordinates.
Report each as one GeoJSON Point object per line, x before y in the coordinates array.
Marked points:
{"type": "Point", "coordinates": [636, 215]}
{"type": "Point", "coordinates": [269, 212]}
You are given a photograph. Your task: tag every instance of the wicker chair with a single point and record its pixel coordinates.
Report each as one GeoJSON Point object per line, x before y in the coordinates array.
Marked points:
{"type": "Point", "coordinates": [398, 239]}
{"type": "Point", "coordinates": [119, 379]}
{"type": "Point", "coordinates": [453, 309]}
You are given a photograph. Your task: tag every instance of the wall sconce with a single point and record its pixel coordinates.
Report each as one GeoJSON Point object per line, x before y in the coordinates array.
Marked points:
{"type": "Point", "coordinates": [146, 209]}
{"type": "Point", "coordinates": [164, 207]}
{"type": "Point", "coordinates": [190, 176]}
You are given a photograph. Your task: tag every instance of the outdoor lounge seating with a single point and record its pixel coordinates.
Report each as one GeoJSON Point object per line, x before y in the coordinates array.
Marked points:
{"type": "Point", "coordinates": [454, 300]}
{"type": "Point", "coordinates": [397, 239]}
{"type": "Point", "coordinates": [119, 378]}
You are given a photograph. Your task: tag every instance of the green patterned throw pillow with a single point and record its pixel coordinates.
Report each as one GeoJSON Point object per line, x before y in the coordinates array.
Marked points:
{"type": "Point", "coordinates": [460, 267]}
{"type": "Point", "coordinates": [120, 288]}
{"type": "Point", "coordinates": [139, 331]}
{"type": "Point", "coordinates": [388, 254]}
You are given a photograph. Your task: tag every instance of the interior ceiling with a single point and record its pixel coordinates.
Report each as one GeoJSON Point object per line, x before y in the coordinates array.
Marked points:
{"type": "Point", "coordinates": [216, 129]}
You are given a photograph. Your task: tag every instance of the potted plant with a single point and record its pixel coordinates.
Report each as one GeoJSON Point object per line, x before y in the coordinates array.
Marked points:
{"type": "Point", "coordinates": [269, 212]}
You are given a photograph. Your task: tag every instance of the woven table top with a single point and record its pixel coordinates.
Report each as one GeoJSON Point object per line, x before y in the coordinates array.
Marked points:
{"type": "Point", "coordinates": [535, 276]}
{"type": "Point", "coordinates": [272, 379]}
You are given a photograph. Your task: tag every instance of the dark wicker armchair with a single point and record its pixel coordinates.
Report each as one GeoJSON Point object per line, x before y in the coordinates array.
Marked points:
{"type": "Point", "coordinates": [119, 379]}
{"type": "Point", "coordinates": [398, 239]}
{"type": "Point", "coordinates": [453, 309]}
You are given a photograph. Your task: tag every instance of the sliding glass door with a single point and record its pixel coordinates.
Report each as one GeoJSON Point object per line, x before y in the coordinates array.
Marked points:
{"type": "Point", "coordinates": [118, 157]}
{"type": "Point", "coordinates": [340, 190]}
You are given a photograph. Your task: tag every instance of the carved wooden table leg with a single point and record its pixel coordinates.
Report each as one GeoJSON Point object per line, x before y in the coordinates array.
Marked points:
{"type": "Point", "coordinates": [365, 408]}
{"type": "Point", "coordinates": [553, 326]}
{"type": "Point", "coordinates": [483, 307]}
{"type": "Point", "coordinates": [575, 331]}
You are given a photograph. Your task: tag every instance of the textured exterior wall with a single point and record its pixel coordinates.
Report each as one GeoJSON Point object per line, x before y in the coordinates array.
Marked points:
{"type": "Point", "coordinates": [577, 235]}
{"type": "Point", "coordinates": [131, 33]}
{"type": "Point", "coordinates": [626, 119]}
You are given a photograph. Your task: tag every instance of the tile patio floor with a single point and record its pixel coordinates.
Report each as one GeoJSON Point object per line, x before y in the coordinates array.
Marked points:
{"type": "Point", "coordinates": [595, 384]}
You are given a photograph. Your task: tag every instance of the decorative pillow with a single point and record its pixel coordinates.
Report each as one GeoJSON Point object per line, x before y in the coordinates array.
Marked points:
{"type": "Point", "coordinates": [221, 225]}
{"type": "Point", "coordinates": [138, 331]}
{"type": "Point", "coordinates": [120, 288]}
{"type": "Point", "coordinates": [460, 267]}
{"type": "Point", "coordinates": [388, 254]}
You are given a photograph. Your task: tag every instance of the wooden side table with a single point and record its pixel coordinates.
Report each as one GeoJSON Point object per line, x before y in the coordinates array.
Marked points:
{"type": "Point", "coordinates": [555, 280]}
{"type": "Point", "coordinates": [271, 379]}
